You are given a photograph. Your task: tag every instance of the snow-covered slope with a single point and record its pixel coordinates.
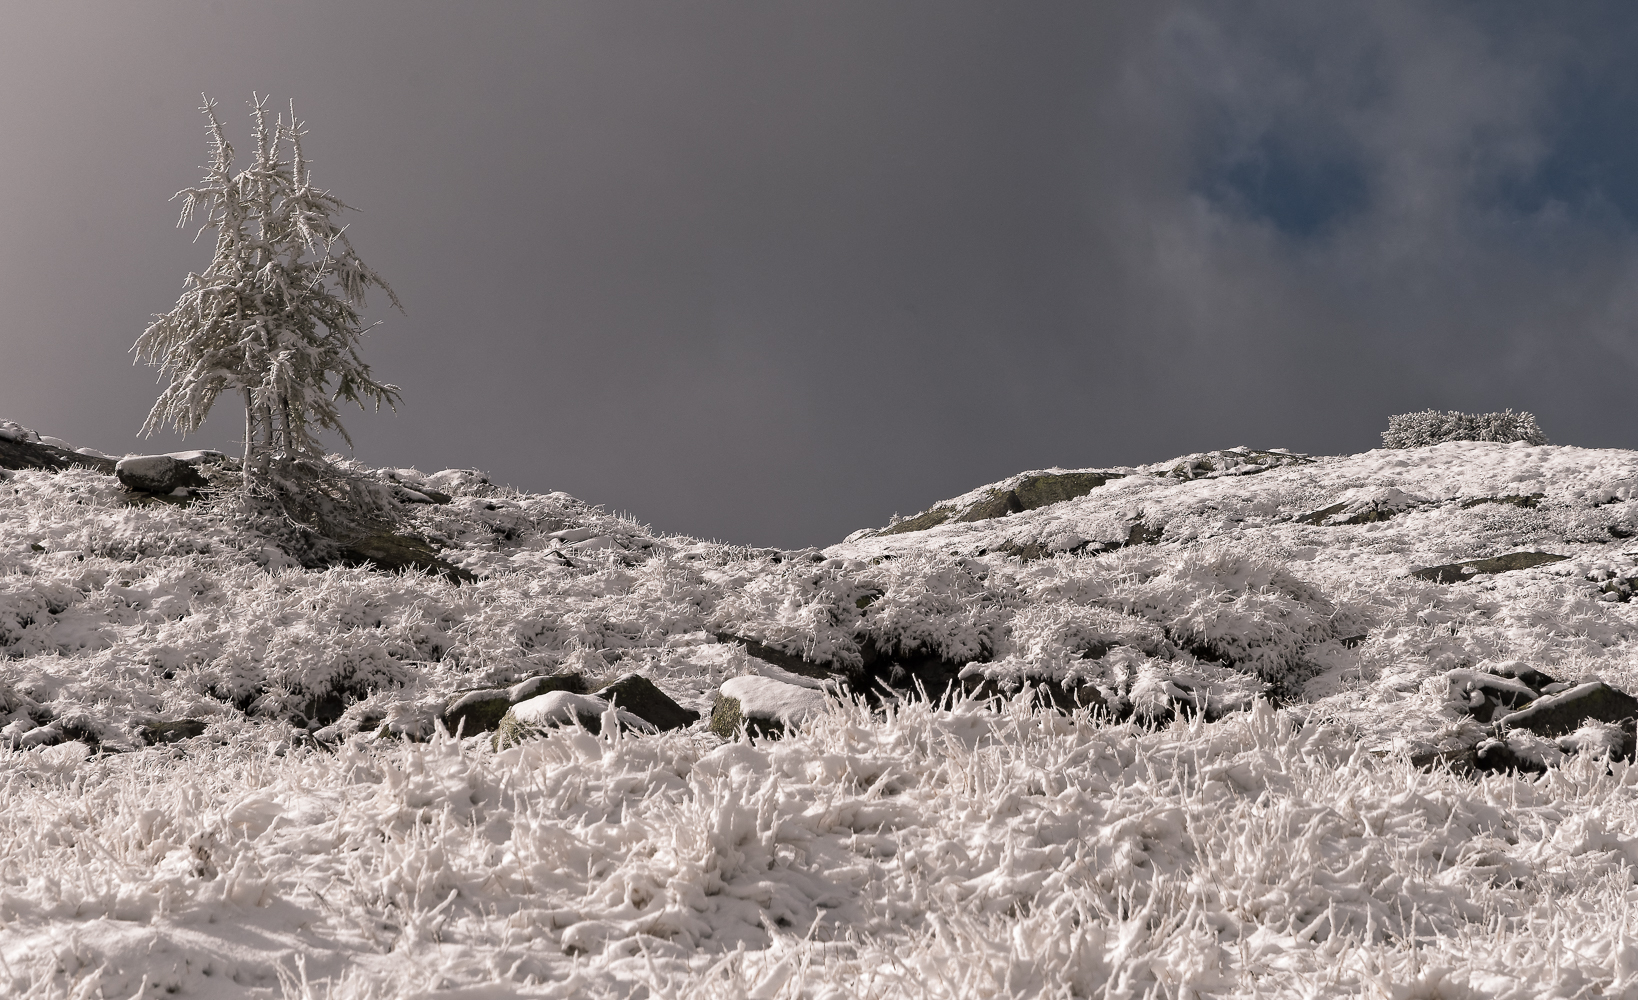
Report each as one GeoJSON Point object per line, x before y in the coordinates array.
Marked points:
{"type": "Point", "coordinates": [1184, 836]}
{"type": "Point", "coordinates": [1304, 573]}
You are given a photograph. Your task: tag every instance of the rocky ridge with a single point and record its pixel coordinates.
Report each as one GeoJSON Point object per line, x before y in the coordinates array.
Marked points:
{"type": "Point", "coordinates": [1335, 586]}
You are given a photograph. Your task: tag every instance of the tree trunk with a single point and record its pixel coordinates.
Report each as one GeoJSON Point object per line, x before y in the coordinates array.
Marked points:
{"type": "Point", "coordinates": [250, 433]}
{"type": "Point", "coordinates": [284, 423]}
{"type": "Point", "coordinates": [265, 414]}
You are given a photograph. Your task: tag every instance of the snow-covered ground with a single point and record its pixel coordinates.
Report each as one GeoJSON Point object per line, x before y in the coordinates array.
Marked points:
{"type": "Point", "coordinates": [320, 825]}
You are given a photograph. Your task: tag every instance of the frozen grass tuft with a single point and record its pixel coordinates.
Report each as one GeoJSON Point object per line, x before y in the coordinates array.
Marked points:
{"type": "Point", "coordinates": [939, 852]}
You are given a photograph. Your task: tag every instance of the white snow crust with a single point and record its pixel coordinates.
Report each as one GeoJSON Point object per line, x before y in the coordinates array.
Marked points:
{"type": "Point", "coordinates": [557, 708]}
{"type": "Point", "coordinates": [767, 698]}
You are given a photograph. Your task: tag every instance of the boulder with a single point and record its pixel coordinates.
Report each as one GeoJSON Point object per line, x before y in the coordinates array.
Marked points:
{"type": "Point", "coordinates": [727, 717]}
{"type": "Point", "coordinates": [557, 708]}
{"type": "Point", "coordinates": [570, 681]}
{"type": "Point", "coordinates": [481, 711]}
{"type": "Point", "coordinates": [1240, 461]}
{"type": "Point", "coordinates": [763, 706]}
{"type": "Point", "coordinates": [1565, 712]}
{"type": "Point", "coordinates": [912, 671]}
{"type": "Point", "coordinates": [639, 696]}
{"type": "Point", "coordinates": [1601, 739]}
{"type": "Point", "coordinates": [475, 712]}
{"type": "Point", "coordinates": [1511, 755]}
{"type": "Point", "coordinates": [1457, 572]}
{"type": "Point", "coordinates": [999, 503]}
{"type": "Point", "coordinates": [1525, 500]}
{"type": "Point", "coordinates": [1137, 533]}
{"type": "Point", "coordinates": [529, 718]}
{"type": "Point", "coordinates": [921, 522]}
{"type": "Point", "coordinates": [159, 474]}
{"type": "Point", "coordinates": [420, 494]}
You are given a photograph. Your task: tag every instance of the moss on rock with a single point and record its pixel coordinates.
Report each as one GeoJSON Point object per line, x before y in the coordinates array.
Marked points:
{"type": "Point", "coordinates": [726, 717]}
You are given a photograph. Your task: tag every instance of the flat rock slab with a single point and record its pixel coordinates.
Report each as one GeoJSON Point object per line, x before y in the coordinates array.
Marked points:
{"type": "Point", "coordinates": [1030, 493]}
{"type": "Point", "coordinates": [19, 454]}
{"type": "Point", "coordinates": [1365, 507]}
{"type": "Point", "coordinates": [172, 732]}
{"type": "Point", "coordinates": [395, 552]}
{"type": "Point", "coordinates": [1499, 755]}
{"type": "Point", "coordinates": [1566, 711]}
{"type": "Point", "coordinates": [1457, 572]}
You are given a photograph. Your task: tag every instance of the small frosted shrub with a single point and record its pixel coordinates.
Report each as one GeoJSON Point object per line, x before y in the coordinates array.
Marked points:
{"type": "Point", "coordinates": [1418, 430]}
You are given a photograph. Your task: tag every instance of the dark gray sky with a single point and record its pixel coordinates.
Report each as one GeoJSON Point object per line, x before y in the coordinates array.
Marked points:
{"type": "Point", "coordinates": [770, 272]}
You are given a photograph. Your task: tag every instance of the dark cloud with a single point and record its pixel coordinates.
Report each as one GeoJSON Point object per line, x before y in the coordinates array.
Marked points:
{"type": "Point", "coordinates": [770, 272]}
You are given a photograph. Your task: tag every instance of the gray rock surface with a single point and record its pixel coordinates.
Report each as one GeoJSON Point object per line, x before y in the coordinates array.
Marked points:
{"type": "Point", "coordinates": [639, 696]}
{"type": "Point", "coordinates": [1566, 711]}
{"type": "Point", "coordinates": [158, 473]}
{"type": "Point", "coordinates": [396, 552]}
{"type": "Point", "coordinates": [1466, 570]}
{"type": "Point", "coordinates": [17, 453]}
{"type": "Point", "coordinates": [173, 731]}
{"type": "Point", "coordinates": [1029, 493]}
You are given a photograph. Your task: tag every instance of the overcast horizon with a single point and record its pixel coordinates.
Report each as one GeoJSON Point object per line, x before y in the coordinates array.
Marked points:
{"type": "Point", "coordinates": [773, 272]}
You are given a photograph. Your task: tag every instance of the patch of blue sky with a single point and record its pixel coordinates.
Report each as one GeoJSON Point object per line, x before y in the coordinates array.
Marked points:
{"type": "Point", "coordinates": [1300, 191]}
{"type": "Point", "coordinates": [1590, 164]}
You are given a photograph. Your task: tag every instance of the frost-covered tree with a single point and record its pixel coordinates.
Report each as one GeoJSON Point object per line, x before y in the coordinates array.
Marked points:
{"type": "Point", "coordinates": [276, 314]}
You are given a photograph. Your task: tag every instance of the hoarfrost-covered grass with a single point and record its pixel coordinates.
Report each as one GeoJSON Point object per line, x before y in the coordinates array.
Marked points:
{"type": "Point", "coordinates": [323, 838]}
{"type": "Point", "coordinates": [950, 852]}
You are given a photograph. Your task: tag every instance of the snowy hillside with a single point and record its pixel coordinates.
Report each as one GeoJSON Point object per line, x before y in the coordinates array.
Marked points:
{"type": "Point", "coordinates": [1239, 724]}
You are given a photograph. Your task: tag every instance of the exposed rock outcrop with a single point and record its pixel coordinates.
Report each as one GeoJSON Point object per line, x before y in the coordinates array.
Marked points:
{"type": "Point", "coordinates": [1534, 721]}
{"type": "Point", "coordinates": [1566, 711]}
{"type": "Point", "coordinates": [392, 552]}
{"type": "Point", "coordinates": [1028, 493]}
{"type": "Point", "coordinates": [1457, 572]}
{"type": "Point", "coordinates": [1365, 507]}
{"type": "Point", "coordinates": [786, 661]}
{"type": "Point", "coordinates": [174, 731]}
{"type": "Point", "coordinates": [19, 453]}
